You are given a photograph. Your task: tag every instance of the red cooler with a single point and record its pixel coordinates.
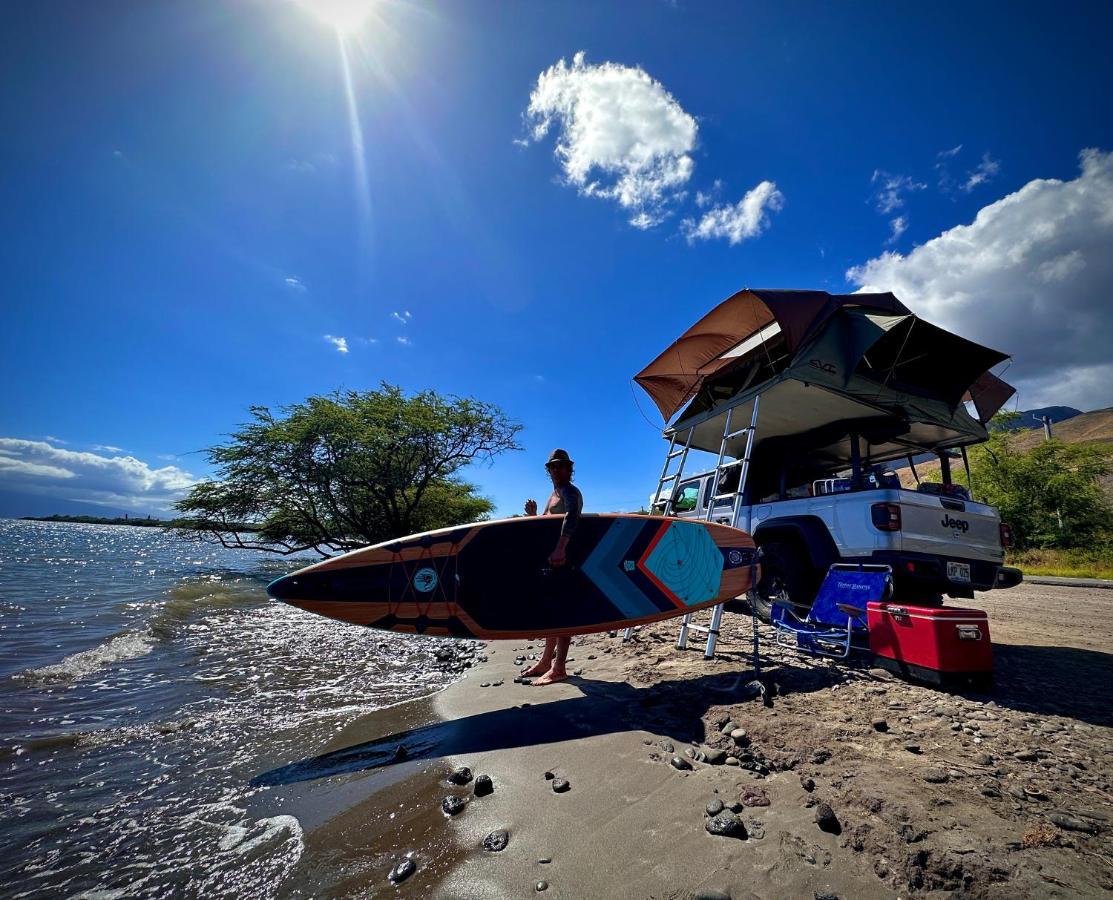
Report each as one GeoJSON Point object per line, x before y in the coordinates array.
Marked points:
{"type": "Point", "coordinates": [942, 645]}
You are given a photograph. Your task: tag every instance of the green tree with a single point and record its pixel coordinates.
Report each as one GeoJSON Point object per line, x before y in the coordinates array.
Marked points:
{"type": "Point", "coordinates": [352, 468]}
{"type": "Point", "coordinates": [1049, 494]}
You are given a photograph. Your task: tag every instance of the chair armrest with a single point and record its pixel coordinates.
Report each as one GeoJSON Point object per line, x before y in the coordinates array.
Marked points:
{"type": "Point", "coordinates": [851, 610]}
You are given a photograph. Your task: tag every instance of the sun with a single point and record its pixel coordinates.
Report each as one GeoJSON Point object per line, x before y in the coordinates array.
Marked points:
{"type": "Point", "coordinates": [346, 16]}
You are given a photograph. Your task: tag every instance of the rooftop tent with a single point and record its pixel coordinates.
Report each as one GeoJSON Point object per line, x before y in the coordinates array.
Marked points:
{"type": "Point", "coordinates": [719, 340]}
{"type": "Point", "coordinates": [826, 367]}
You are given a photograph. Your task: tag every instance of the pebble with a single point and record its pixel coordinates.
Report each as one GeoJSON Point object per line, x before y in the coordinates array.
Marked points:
{"type": "Point", "coordinates": [726, 824]}
{"type": "Point", "coordinates": [807, 784]}
{"type": "Point", "coordinates": [713, 755]}
{"type": "Point", "coordinates": [936, 776]}
{"type": "Point", "coordinates": [1025, 755]}
{"type": "Point", "coordinates": [880, 725]}
{"type": "Point", "coordinates": [913, 748]}
{"type": "Point", "coordinates": [732, 761]}
{"type": "Point", "coordinates": [821, 756]}
{"type": "Point", "coordinates": [710, 894]}
{"type": "Point", "coordinates": [739, 736]}
{"type": "Point", "coordinates": [560, 785]}
{"type": "Point", "coordinates": [577, 671]}
{"type": "Point", "coordinates": [666, 746]}
{"type": "Point", "coordinates": [545, 860]}
{"type": "Point", "coordinates": [541, 886]}
{"type": "Point", "coordinates": [452, 805]}
{"type": "Point", "coordinates": [679, 762]}
{"type": "Point", "coordinates": [402, 871]}
{"type": "Point", "coordinates": [460, 775]}
{"type": "Point", "coordinates": [714, 807]}
{"type": "Point", "coordinates": [549, 776]}
{"type": "Point", "coordinates": [483, 785]}
{"type": "Point", "coordinates": [826, 819]}
{"type": "Point", "coordinates": [728, 726]}
{"type": "Point", "coordinates": [497, 840]}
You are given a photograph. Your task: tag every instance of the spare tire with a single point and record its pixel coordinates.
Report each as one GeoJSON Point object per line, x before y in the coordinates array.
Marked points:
{"type": "Point", "coordinates": [786, 575]}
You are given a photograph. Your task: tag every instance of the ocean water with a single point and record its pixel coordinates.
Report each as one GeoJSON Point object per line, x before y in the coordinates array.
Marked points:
{"type": "Point", "coordinates": [144, 681]}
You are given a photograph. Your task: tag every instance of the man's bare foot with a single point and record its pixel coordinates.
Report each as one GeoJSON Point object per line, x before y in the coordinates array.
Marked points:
{"type": "Point", "coordinates": [552, 677]}
{"type": "Point", "coordinates": [539, 669]}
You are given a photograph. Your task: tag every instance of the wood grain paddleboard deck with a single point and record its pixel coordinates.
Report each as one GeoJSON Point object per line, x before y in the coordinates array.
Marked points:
{"type": "Point", "coordinates": [493, 581]}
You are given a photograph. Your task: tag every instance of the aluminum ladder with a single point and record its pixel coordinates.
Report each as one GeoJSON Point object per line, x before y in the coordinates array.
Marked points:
{"type": "Point", "coordinates": [712, 631]}
{"type": "Point", "coordinates": [665, 478]}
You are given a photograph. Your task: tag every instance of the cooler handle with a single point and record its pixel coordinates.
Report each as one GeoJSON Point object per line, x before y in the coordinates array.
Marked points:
{"type": "Point", "coordinates": [969, 632]}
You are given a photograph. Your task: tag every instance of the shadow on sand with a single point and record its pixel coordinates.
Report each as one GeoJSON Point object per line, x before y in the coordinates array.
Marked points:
{"type": "Point", "coordinates": [1041, 680]}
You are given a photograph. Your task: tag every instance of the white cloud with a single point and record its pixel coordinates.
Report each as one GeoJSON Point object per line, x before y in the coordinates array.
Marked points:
{"type": "Point", "coordinates": [312, 165]}
{"type": "Point", "coordinates": [954, 151]}
{"type": "Point", "coordinates": [405, 341]}
{"type": "Point", "coordinates": [891, 189]}
{"type": "Point", "coordinates": [36, 467]}
{"type": "Point", "coordinates": [294, 283]}
{"type": "Point", "coordinates": [108, 448]}
{"type": "Point", "coordinates": [1031, 276]}
{"type": "Point", "coordinates": [736, 221]}
{"type": "Point", "coordinates": [897, 227]}
{"type": "Point", "coordinates": [986, 169]}
{"type": "Point", "coordinates": [403, 317]}
{"type": "Point", "coordinates": [54, 440]}
{"type": "Point", "coordinates": [341, 343]}
{"type": "Point", "coordinates": [620, 135]}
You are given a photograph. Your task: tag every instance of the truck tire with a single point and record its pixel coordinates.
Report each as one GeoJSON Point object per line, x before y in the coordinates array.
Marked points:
{"type": "Point", "coordinates": [786, 575]}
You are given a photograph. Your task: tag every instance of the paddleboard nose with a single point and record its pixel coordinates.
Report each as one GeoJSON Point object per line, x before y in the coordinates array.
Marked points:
{"type": "Point", "coordinates": [286, 588]}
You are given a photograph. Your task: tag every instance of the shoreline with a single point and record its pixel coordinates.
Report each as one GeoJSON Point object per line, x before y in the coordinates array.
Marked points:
{"type": "Point", "coordinates": [970, 807]}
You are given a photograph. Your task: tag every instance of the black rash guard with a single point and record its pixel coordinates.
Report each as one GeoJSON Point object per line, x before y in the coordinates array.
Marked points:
{"type": "Point", "coordinates": [569, 502]}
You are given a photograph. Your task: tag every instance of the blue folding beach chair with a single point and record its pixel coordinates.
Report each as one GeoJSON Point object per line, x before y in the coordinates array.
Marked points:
{"type": "Point", "coordinates": [836, 623]}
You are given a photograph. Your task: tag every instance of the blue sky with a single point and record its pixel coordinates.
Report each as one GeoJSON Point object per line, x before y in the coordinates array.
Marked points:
{"type": "Point", "coordinates": [186, 214]}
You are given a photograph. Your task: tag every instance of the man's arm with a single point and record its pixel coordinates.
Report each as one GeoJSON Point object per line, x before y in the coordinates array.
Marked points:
{"type": "Point", "coordinates": [573, 505]}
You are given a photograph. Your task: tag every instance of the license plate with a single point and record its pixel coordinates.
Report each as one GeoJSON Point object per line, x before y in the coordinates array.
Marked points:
{"type": "Point", "coordinates": [957, 571]}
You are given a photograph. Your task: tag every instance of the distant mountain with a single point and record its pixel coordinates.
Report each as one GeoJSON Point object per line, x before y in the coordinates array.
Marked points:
{"type": "Point", "coordinates": [1033, 418]}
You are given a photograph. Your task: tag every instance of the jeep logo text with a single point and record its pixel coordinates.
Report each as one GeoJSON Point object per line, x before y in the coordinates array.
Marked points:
{"type": "Point", "coordinates": [956, 524]}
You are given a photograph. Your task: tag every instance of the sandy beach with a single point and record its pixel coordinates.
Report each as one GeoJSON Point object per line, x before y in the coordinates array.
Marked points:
{"type": "Point", "coordinates": [917, 791]}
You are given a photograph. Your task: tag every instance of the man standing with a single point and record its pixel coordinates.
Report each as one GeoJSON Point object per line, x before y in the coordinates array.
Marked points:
{"type": "Point", "coordinates": [565, 500]}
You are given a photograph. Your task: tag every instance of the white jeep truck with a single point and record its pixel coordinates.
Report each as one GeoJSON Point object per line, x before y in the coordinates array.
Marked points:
{"type": "Point", "coordinates": [936, 539]}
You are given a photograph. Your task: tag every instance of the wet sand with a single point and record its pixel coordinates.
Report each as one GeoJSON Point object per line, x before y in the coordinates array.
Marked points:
{"type": "Point", "coordinates": [1005, 793]}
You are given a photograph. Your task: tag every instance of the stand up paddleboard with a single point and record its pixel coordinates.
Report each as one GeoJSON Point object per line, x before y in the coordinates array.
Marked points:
{"type": "Point", "coordinates": [493, 581]}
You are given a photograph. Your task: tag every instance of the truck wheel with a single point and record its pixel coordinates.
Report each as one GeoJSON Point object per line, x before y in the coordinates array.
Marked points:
{"type": "Point", "coordinates": [785, 575]}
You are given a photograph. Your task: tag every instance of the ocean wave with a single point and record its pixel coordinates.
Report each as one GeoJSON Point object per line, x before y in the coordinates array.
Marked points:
{"type": "Point", "coordinates": [196, 597]}
{"type": "Point", "coordinates": [125, 645]}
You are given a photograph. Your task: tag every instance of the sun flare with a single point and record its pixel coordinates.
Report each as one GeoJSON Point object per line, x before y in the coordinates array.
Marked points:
{"type": "Point", "coordinates": [346, 16]}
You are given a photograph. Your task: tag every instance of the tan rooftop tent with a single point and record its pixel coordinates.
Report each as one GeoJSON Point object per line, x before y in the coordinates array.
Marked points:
{"type": "Point", "coordinates": [830, 369]}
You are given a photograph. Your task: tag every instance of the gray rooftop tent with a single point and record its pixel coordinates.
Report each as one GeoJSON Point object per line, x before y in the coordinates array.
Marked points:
{"type": "Point", "coordinates": [831, 369]}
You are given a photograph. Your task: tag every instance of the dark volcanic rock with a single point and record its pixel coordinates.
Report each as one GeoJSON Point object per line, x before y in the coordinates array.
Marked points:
{"type": "Point", "coordinates": [679, 762]}
{"type": "Point", "coordinates": [710, 894]}
{"type": "Point", "coordinates": [460, 775]}
{"type": "Point", "coordinates": [452, 805]}
{"type": "Point", "coordinates": [403, 870]}
{"type": "Point", "coordinates": [807, 784]}
{"type": "Point", "coordinates": [560, 785]}
{"type": "Point", "coordinates": [826, 819]}
{"type": "Point", "coordinates": [549, 776]}
{"type": "Point", "coordinates": [880, 725]}
{"type": "Point", "coordinates": [496, 841]}
{"type": "Point", "coordinates": [726, 824]}
{"type": "Point", "coordinates": [483, 785]}
{"type": "Point", "coordinates": [1070, 822]}
{"type": "Point", "coordinates": [936, 776]}
{"type": "Point", "coordinates": [821, 756]}
{"type": "Point", "coordinates": [714, 807]}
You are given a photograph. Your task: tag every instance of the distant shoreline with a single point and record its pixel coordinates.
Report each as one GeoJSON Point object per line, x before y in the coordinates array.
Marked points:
{"type": "Point", "coordinates": [147, 522]}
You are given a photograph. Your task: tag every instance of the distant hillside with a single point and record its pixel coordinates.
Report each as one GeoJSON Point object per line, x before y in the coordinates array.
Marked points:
{"type": "Point", "coordinates": [1085, 428]}
{"type": "Point", "coordinates": [1033, 418]}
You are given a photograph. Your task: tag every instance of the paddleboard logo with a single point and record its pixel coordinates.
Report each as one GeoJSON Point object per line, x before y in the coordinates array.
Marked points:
{"type": "Point", "coordinates": [735, 558]}
{"type": "Point", "coordinates": [425, 580]}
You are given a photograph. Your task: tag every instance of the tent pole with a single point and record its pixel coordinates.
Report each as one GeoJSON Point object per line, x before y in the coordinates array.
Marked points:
{"type": "Point", "coordinates": [855, 462]}
{"type": "Point", "coordinates": [912, 466]}
{"type": "Point", "coordinates": [966, 466]}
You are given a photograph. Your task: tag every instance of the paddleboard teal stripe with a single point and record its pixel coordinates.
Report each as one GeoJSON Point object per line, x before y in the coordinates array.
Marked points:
{"type": "Point", "coordinates": [604, 567]}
